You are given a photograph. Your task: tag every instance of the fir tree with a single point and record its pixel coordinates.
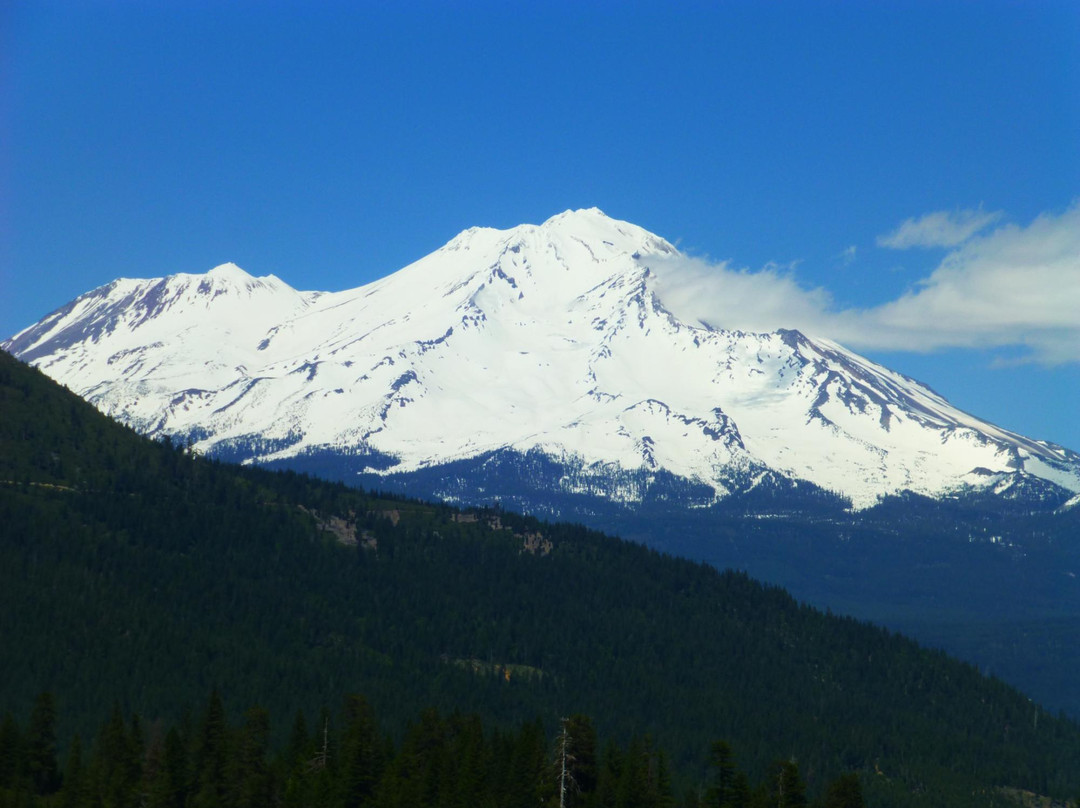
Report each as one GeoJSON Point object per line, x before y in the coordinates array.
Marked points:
{"type": "Point", "coordinates": [250, 777]}
{"type": "Point", "coordinates": [844, 792]}
{"type": "Point", "coordinates": [41, 763]}
{"type": "Point", "coordinates": [115, 766]}
{"type": "Point", "coordinates": [11, 750]}
{"type": "Point", "coordinates": [721, 792]}
{"type": "Point", "coordinates": [75, 792]}
{"type": "Point", "coordinates": [211, 757]}
{"type": "Point", "coordinates": [360, 764]}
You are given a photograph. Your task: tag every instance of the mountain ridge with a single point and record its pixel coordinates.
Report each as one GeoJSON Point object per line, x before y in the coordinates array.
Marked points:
{"type": "Point", "coordinates": [551, 338]}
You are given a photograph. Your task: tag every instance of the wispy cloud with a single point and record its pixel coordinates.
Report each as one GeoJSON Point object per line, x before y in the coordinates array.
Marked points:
{"type": "Point", "coordinates": [942, 228]}
{"type": "Point", "coordinates": [1015, 287]}
{"type": "Point", "coordinates": [720, 296]}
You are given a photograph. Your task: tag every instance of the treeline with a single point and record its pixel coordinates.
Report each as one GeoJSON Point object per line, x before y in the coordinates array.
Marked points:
{"type": "Point", "coordinates": [347, 761]}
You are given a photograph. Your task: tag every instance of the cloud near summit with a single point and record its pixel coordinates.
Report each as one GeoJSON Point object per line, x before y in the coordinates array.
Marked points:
{"type": "Point", "coordinates": [1015, 287]}
{"type": "Point", "coordinates": [939, 229]}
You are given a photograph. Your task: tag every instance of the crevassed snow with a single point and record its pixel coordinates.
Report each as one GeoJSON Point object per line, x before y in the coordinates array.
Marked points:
{"type": "Point", "coordinates": [545, 336]}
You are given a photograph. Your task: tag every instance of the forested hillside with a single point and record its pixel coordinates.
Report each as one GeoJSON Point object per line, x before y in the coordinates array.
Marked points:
{"type": "Point", "coordinates": [990, 578]}
{"type": "Point", "coordinates": [135, 573]}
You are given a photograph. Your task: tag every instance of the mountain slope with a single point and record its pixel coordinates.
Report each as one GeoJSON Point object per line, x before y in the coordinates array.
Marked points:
{"type": "Point", "coordinates": [136, 572]}
{"type": "Point", "coordinates": [550, 339]}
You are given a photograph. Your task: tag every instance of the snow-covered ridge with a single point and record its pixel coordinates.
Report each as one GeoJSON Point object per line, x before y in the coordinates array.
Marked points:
{"type": "Point", "coordinates": [550, 337]}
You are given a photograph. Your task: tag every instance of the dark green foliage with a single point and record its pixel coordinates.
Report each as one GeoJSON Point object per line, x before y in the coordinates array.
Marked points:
{"type": "Point", "coordinates": [76, 784]}
{"type": "Point", "coordinates": [360, 762]}
{"type": "Point", "coordinates": [211, 784]}
{"type": "Point", "coordinates": [249, 776]}
{"type": "Point", "coordinates": [117, 761]}
{"type": "Point", "coordinates": [582, 764]}
{"type": "Point", "coordinates": [41, 763]}
{"type": "Point", "coordinates": [724, 790]}
{"type": "Point", "coordinates": [134, 572]}
{"type": "Point", "coordinates": [168, 781]}
{"type": "Point", "coordinates": [977, 574]}
{"type": "Point", "coordinates": [844, 792]}
{"type": "Point", "coordinates": [442, 762]}
{"type": "Point", "coordinates": [11, 752]}
{"type": "Point", "coordinates": [784, 787]}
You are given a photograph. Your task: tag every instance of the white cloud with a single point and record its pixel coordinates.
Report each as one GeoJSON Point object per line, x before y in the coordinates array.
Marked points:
{"type": "Point", "coordinates": [1013, 287]}
{"type": "Point", "coordinates": [697, 290]}
{"type": "Point", "coordinates": [1016, 286]}
{"type": "Point", "coordinates": [939, 229]}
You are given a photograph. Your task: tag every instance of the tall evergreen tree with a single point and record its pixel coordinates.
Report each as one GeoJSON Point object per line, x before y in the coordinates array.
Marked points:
{"type": "Point", "coordinates": [360, 759]}
{"type": "Point", "coordinates": [211, 786]}
{"type": "Point", "coordinates": [11, 751]}
{"type": "Point", "coordinates": [167, 788]}
{"type": "Point", "coordinates": [583, 764]}
{"type": "Point", "coordinates": [740, 790]}
{"type": "Point", "coordinates": [844, 792]}
{"type": "Point", "coordinates": [470, 780]}
{"type": "Point", "coordinates": [635, 789]}
{"type": "Point", "coordinates": [665, 797]}
{"type": "Point", "coordinates": [722, 791]}
{"type": "Point", "coordinates": [41, 763]}
{"type": "Point", "coordinates": [250, 775]}
{"type": "Point", "coordinates": [137, 757]}
{"type": "Point", "coordinates": [529, 778]}
{"type": "Point", "coordinates": [785, 787]}
{"type": "Point", "coordinates": [611, 773]}
{"type": "Point", "coordinates": [75, 792]}
{"type": "Point", "coordinates": [298, 750]}
{"type": "Point", "coordinates": [115, 767]}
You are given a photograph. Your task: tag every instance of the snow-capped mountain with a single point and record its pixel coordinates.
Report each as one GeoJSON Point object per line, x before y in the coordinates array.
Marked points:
{"type": "Point", "coordinates": [551, 339]}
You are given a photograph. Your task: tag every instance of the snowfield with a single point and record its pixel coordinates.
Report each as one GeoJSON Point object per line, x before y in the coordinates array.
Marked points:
{"type": "Point", "coordinates": [549, 337]}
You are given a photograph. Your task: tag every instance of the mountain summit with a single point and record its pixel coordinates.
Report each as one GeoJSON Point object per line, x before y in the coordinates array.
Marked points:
{"type": "Point", "coordinates": [550, 339]}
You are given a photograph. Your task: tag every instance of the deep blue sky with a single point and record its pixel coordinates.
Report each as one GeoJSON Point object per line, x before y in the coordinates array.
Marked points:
{"type": "Point", "coordinates": [332, 143]}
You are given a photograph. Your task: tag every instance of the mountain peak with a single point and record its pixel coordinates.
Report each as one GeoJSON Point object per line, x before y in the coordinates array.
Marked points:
{"type": "Point", "coordinates": [584, 238]}
{"type": "Point", "coordinates": [578, 214]}
{"type": "Point", "coordinates": [549, 337]}
{"type": "Point", "coordinates": [592, 224]}
{"type": "Point", "coordinates": [229, 270]}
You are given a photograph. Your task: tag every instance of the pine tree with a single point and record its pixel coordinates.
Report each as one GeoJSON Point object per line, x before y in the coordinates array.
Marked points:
{"type": "Point", "coordinates": [528, 782]}
{"type": "Point", "coordinates": [845, 792]}
{"type": "Point", "coordinates": [360, 764]}
{"type": "Point", "coordinates": [611, 772]}
{"type": "Point", "coordinates": [169, 787]}
{"type": "Point", "coordinates": [75, 792]}
{"type": "Point", "coordinates": [582, 751]}
{"type": "Point", "coordinates": [665, 797]}
{"type": "Point", "coordinates": [635, 789]}
{"type": "Point", "coordinates": [115, 766]}
{"type": "Point", "coordinates": [211, 757]}
{"type": "Point", "coordinates": [298, 750]}
{"type": "Point", "coordinates": [740, 791]}
{"type": "Point", "coordinates": [786, 788]}
{"type": "Point", "coordinates": [250, 776]}
{"type": "Point", "coordinates": [721, 792]}
{"type": "Point", "coordinates": [41, 763]}
{"type": "Point", "coordinates": [11, 752]}
{"type": "Point", "coordinates": [137, 758]}
{"type": "Point", "coordinates": [298, 754]}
